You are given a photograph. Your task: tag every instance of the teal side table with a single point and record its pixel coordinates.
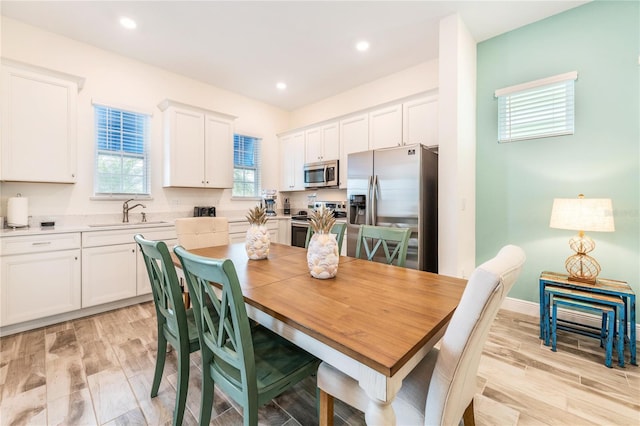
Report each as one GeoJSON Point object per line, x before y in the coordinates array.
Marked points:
{"type": "Point", "coordinates": [601, 286]}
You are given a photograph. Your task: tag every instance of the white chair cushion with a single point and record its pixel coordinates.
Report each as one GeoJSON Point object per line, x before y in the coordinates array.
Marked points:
{"type": "Point", "coordinates": [198, 232]}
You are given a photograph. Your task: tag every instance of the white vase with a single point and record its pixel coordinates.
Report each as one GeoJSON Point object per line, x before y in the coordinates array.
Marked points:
{"type": "Point", "coordinates": [322, 256]}
{"type": "Point", "coordinates": [257, 242]}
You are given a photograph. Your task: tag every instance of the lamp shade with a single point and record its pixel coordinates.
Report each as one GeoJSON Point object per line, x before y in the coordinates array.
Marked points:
{"type": "Point", "coordinates": [582, 214]}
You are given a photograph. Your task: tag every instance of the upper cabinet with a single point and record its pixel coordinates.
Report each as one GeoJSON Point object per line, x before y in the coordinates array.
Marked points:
{"type": "Point", "coordinates": [354, 137]}
{"type": "Point", "coordinates": [385, 127]}
{"type": "Point", "coordinates": [420, 121]}
{"type": "Point", "coordinates": [322, 143]}
{"type": "Point", "coordinates": [409, 121]}
{"type": "Point", "coordinates": [292, 162]}
{"type": "Point", "coordinates": [198, 146]}
{"type": "Point", "coordinates": [39, 131]}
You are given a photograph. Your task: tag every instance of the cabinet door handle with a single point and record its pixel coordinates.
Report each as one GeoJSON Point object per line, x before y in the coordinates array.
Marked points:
{"type": "Point", "coordinates": [41, 243]}
{"type": "Point", "coordinates": [133, 250]}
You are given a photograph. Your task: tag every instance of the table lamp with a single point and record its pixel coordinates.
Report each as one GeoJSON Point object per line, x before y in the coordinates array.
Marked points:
{"type": "Point", "coordinates": [582, 214]}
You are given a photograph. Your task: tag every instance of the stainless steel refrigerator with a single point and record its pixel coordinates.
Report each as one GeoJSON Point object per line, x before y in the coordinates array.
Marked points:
{"type": "Point", "coordinates": [396, 187]}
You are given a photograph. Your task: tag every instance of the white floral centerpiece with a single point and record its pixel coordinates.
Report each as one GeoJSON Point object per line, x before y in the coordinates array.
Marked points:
{"type": "Point", "coordinates": [257, 241]}
{"type": "Point", "coordinates": [322, 253]}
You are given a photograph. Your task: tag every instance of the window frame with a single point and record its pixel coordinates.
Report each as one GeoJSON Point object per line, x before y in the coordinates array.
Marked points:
{"type": "Point", "coordinates": [257, 168]}
{"type": "Point", "coordinates": [133, 139]}
{"type": "Point", "coordinates": [537, 109]}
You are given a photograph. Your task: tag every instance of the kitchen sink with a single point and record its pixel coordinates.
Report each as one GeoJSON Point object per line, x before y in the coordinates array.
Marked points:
{"type": "Point", "coordinates": [126, 225]}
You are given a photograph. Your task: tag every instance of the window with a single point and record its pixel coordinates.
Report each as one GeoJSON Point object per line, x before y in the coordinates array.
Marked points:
{"type": "Point", "coordinates": [246, 166]}
{"type": "Point", "coordinates": [122, 158]}
{"type": "Point", "coordinates": [537, 109]}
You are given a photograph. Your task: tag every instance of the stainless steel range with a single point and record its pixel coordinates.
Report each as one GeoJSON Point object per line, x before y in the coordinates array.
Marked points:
{"type": "Point", "coordinates": [300, 222]}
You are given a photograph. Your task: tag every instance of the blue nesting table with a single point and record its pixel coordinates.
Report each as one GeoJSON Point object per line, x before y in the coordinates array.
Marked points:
{"type": "Point", "coordinates": [602, 287]}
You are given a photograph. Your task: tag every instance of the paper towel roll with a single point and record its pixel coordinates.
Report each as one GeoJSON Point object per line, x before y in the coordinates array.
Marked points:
{"type": "Point", "coordinates": [18, 212]}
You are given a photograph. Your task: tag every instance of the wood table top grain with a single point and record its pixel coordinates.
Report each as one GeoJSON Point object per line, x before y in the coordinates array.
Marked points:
{"type": "Point", "coordinates": [377, 314]}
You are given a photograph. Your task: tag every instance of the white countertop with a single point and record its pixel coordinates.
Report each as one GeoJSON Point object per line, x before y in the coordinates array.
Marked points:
{"type": "Point", "coordinates": [85, 225]}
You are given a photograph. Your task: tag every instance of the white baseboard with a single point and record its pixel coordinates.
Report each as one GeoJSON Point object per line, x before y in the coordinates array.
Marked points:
{"type": "Point", "coordinates": [533, 309]}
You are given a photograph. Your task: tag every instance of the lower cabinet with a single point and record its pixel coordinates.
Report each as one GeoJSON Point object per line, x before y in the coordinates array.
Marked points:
{"type": "Point", "coordinates": [39, 285]}
{"type": "Point", "coordinates": [112, 266]}
{"type": "Point", "coordinates": [108, 274]}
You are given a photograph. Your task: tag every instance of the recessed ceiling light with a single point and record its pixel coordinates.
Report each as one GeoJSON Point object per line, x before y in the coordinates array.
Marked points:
{"type": "Point", "coordinates": [362, 46]}
{"type": "Point", "coordinates": [128, 23]}
{"type": "Point", "coordinates": [281, 85]}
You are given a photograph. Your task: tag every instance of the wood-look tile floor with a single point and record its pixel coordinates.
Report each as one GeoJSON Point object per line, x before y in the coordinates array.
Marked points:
{"type": "Point", "coordinates": [98, 371]}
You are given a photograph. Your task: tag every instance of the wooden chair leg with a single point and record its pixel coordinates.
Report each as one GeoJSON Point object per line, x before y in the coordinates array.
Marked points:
{"type": "Point", "coordinates": [468, 416]}
{"type": "Point", "coordinates": [326, 409]}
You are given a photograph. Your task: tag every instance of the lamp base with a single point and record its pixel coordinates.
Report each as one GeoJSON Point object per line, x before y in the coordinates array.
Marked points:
{"type": "Point", "coordinates": [582, 267]}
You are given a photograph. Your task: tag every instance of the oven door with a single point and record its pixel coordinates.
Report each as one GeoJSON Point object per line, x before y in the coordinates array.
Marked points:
{"type": "Point", "coordinates": [298, 233]}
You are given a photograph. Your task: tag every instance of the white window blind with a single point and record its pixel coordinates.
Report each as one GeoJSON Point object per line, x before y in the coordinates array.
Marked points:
{"type": "Point", "coordinates": [246, 166]}
{"type": "Point", "coordinates": [122, 158]}
{"type": "Point", "coordinates": [537, 109]}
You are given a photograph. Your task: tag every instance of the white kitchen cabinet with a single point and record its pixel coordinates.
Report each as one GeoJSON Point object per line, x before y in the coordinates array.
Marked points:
{"type": "Point", "coordinates": [40, 276]}
{"type": "Point", "coordinates": [292, 156]}
{"type": "Point", "coordinates": [39, 131]}
{"type": "Point", "coordinates": [322, 143]}
{"type": "Point", "coordinates": [354, 137]}
{"type": "Point", "coordinates": [284, 231]}
{"type": "Point", "coordinates": [198, 147]}
{"type": "Point", "coordinates": [420, 121]}
{"type": "Point", "coordinates": [112, 266]}
{"type": "Point", "coordinates": [108, 273]}
{"type": "Point", "coordinates": [385, 127]}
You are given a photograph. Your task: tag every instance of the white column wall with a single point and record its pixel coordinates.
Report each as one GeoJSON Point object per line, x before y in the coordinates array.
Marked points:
{"type": "Point", "coordinates": [457, 140]}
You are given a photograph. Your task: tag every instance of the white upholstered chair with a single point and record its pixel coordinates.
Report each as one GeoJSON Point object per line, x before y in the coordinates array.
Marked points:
{"type": "Point", "coordinates": [440, 390]}
{"type": "Point", "coordinates": [198, 232]}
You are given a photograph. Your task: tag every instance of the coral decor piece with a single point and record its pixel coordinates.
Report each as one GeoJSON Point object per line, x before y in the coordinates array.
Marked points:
{"type": "Point", "coordinates": [322, 253]}
{"type": "Point", "coordinates": [257, 240]}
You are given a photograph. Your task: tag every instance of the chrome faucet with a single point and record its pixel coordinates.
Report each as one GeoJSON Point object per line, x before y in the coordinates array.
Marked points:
{"type": "Point", "coordinates": [126, 208]}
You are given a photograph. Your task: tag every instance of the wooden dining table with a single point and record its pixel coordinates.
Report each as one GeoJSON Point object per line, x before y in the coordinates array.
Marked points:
{"type": "Point", "coordinates": [374, 322]}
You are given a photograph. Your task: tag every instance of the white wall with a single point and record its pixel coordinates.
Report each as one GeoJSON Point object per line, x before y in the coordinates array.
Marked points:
{"type": "Point", "coordinates": [457, 149]}
{"type": "Point", "coordinates": [420, 78]}
{"type": "Point", "coordinates": [123, 81]}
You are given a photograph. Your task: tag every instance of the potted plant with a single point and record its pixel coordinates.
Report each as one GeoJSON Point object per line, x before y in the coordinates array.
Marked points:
{"type": "Point", "coordinates": [257, 240]}
{"type": "Point", "coordinates": [322, 253]}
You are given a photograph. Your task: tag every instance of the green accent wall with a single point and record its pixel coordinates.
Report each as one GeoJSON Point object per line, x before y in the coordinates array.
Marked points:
{"type": "Point", "coordinates": [517, 182]}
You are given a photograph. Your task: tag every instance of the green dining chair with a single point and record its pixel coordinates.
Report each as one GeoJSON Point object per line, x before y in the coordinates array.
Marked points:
{"type": "Point", "coordinates": [252, 365]}
{"type": "Point", "coordinates": [176, 325]}
{"type": "Point", "coordinates": [381, 236]}
{"type": "Point", "coordinates": [337, 228]}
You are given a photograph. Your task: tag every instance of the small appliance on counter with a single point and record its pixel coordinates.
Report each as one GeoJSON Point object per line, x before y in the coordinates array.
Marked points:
{"type": "Point", "coordinates": [204, 211]}
{"type": "Point", "coordinates": [286, 207]}
{"type": "Point", "coordinates": [269, 196]}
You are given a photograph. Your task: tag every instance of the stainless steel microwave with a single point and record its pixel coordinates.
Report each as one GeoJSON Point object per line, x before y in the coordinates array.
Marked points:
{"type": "Point", "coordinates": [321, 174]}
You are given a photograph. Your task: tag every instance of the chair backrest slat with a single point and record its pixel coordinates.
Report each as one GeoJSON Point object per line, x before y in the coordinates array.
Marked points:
{"type": "Point", "coordinates": [165, 288]}
{"type": "Point", "coordinates": [226, 337]}
{"type": "Point", "coordinates": [381, 236]}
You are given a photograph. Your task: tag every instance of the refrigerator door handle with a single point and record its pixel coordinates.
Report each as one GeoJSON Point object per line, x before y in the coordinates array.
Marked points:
{"type": "Point", "coordinates": [367, 216]}
{"type": "Point", "coordinates": [374, 200]}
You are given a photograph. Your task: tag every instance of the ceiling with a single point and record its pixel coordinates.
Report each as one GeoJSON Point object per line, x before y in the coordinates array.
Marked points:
{"type": "Point", "coordinates": [247, 47]}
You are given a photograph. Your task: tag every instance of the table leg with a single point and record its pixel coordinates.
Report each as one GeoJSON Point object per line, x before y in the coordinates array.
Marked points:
{"type": "Point", "coordinates": [632, 332]}
{"type": "Point", "coordinates": [622, 325]}
{"type": "Point", "coordinates": [379, 413]}
{"type": "Point", "coordinates": [542, 309]}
